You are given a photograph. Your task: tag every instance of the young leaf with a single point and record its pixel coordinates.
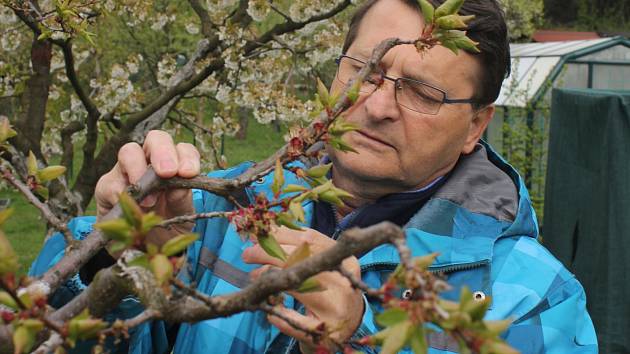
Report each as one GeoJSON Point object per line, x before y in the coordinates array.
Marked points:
{"type": "Point", "coordinates": [85, 328]}
{"type": "Point", "coordinates": [297, 210]}
{"type": "Point", "coordinates": [49, 173]}
{"type": "Point", "coordinates": [353, 93]}
{"type": "Point", "coordinates": [41, 191]}
{"type": "Point", "coordinates": [286, 219]}
{"type": "Point", "coordinates": [278, 178]}
{"type": "Point", "coordinates": [116, 229]}
{"type": "Point", "coordinates": [319, 170]}
{"type": "Point", "coordinates": [391, 317]}
{"type": "Point", "coordinates": [310, 285]}
{"type": "Point", "coordinates": [5, 214]}
{"type": "Point", "coordinates": [31, 164]}
{"type": "Point", "coordinates": [452, 22]}
{"type": "Point", "coordinates": [8, 301]}
{"type": "Point", "coordinates": [497, 327]}
{"type": "Point", "coordinates": [23, 339]}
{"type": "Point", "coordinates": [322, 94]}
{"type": "Point", "coordinates": [424, 262]}
{"type": "Point", "coordinates": [301, 253]}
{"type": "Point", "coordinates": [149, 221]}
{"type": "Point", "coordinates": [427, 11]}
{"type": "Point", "coordinates": [140, 261]}
{"type": "Point", "coordinates": [8, 258]}
{"type": "Point", "coordinates": [178, 244]}
{"type": "Point", "coordinates": [418, 340]}
{"type": "Point", "coordinates": [292, 188]}
{"type": "Point", "coordinates": [331, 197]}
{"type": "Point", "coordinates": [341, 145]}
{"type": "Point", "coordinates": [271, 246]}
{"type": "Point", "coordinates": [449, 7]}
{"type": "Point", "coordinates": [162, 268]}
{"type": "Point", "coordinates": [152, 249]}
{"type": "Point", "coordinates": [130, 209]}
{"type": "Point", "coordinates": [399, 335]}
{"type": "Point", "coordinates": [5, 130]}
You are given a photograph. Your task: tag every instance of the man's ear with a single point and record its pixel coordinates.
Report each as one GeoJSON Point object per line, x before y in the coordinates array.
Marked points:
{"type": "Point", "coordinates": [479, 122]}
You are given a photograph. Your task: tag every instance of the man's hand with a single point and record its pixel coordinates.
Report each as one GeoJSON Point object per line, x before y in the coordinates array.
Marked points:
{"type": "Point", "coordinates": [168, 160]}
{"type": "Point", "coordinates": [340, 306]}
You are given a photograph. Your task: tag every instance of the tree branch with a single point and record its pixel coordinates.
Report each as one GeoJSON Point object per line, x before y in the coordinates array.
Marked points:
{"type": "Point", "coordinates": [43, 207]}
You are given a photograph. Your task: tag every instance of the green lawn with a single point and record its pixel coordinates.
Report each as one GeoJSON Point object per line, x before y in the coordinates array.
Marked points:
{"type": "Point", "coordinates": [26, 229]}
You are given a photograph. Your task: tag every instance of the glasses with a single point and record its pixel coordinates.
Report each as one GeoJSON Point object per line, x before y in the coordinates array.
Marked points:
{"type": "Point", "coordinates": [412, 94]}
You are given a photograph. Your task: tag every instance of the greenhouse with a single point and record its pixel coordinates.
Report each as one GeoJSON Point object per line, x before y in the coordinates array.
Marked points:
{"type": "Point", "coordinates": [520, 127]}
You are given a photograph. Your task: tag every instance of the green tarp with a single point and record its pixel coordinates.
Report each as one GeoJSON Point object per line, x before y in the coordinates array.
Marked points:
{"type": "Point", "coordinates": [587, 203]}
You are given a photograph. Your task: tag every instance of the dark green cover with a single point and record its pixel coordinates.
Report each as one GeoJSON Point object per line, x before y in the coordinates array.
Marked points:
{"type": "Point", "coordinates": [587, 203]}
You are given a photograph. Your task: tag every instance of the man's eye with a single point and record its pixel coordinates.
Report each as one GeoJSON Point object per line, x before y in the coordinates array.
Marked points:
{"type": "Point", "coordinates": [425, 94]}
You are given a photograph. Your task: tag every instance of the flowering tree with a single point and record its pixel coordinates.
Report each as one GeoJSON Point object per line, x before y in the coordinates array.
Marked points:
{"type": "Point", "coordinates": [103, 73]}
{"type": "Point", "coordinates": [146, 269]}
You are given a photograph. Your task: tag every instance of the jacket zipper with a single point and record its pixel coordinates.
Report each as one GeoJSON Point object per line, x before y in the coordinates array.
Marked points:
{"type": "Point", "coordinates": [435, 270]}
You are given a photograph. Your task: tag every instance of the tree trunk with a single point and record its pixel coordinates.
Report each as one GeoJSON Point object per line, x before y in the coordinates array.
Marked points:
{"type": "Point", "coordinates": [243, 122]}
{"type": "Point", "coordinates": [30, 125]}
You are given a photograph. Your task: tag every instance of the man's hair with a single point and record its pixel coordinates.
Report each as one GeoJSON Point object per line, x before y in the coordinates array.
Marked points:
{"type": "Point", "coordinates": [488, 28]}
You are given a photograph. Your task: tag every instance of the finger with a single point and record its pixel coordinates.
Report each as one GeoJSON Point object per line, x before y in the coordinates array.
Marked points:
{"type": "Point", "coordinates": [256, 255]}
{"type": "Point", "coordinates": [132, 162]}
{"type": "Point", "coordinates": [189, 160]}
{"type": "Point", "coordinates": [160, 151]}
{"type": "Point", "coordinates": [107, 191]}
{"type": "Point", "coordinates": [287, 236]}
{"type": "Point", "coordinates": [308, 323]}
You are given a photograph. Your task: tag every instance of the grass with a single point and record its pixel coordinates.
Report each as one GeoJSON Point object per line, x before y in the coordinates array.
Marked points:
{"type": "Point", "coordinates": [26, 228]}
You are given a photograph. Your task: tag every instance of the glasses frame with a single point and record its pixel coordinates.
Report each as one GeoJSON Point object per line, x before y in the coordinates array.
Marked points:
{"type": "Point", "coordinates": [397, 85]}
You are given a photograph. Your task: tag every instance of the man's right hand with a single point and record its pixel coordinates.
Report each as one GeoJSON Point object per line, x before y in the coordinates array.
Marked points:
{"type": "Point", "coordinates": [168, 160]}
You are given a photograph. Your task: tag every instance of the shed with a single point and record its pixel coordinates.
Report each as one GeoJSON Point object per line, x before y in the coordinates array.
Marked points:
{"type": "Point", "coordinates": [524, 101]}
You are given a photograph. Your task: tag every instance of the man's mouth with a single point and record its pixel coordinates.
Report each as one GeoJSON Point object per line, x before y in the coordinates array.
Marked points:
{"type": "Point", "coordinates": [374, 138]}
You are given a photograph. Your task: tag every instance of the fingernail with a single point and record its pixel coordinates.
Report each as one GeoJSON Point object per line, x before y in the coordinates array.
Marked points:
{"type": "Point", "coordinates": [149, 201]}
{"type": "Point", "coordinates": [188, 166]}
{"type": "Point", "coordinates": [167, 165]}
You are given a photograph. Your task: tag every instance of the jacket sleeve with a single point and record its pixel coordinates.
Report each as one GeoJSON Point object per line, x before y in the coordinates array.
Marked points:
{"type": "Point", "coordinates": [547, 328]}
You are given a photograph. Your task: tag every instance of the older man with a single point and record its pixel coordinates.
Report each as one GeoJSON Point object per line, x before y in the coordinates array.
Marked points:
{"type": "Point", "coordinates": [420, 165]}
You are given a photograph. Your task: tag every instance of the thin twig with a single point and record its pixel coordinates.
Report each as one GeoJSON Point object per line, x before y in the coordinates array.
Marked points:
{"type": "Point", "coordinates": [43, 207]}
{"type": "Point", "coordinates": [193, 217]}
{"type": "Point", "coordinates": [357, 283]}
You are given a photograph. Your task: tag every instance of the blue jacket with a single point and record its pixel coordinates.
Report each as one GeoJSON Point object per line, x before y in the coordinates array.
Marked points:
{"type": "Point", "coordinates": [481, 223]}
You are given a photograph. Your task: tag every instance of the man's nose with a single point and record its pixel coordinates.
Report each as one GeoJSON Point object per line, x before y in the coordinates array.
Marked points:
{"type": "Point", "coordinates": [381, 103]}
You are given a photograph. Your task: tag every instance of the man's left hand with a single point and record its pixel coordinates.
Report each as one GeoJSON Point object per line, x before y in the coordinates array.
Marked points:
{"type": "Point", "coordinates": [339, 306]}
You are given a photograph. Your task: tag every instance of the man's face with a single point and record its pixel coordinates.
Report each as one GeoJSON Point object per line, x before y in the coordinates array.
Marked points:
{"type": "Point", "coordinates": [399, 149]}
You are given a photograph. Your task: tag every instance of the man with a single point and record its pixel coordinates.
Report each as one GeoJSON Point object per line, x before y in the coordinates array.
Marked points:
{"type": "Point", "coordinates": [419, 164]}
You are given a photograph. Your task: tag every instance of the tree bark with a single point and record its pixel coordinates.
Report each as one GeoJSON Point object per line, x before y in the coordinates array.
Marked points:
{"type": "Point", "coordinates": [30, 125]}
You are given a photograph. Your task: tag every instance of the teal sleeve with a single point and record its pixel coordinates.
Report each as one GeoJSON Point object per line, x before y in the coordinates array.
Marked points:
{"type": "Point", "coordinates": [547, 328]}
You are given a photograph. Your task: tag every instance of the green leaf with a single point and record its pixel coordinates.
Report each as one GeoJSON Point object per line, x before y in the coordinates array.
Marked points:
{"type": "Point", "coordinates": [449, 7]}
{"type": "Point", "coordinates": [8, 258]}
{"type": "Point", "coordinates": [298, 255]}
{"type": "Point", "coordinates": [31, 164]}
{"type": "Point", "coordinates": [340, 145]}
{"type": "Point", "coordinates": [140, 261]}
{"type": "Point", "coordinates": [427, 11]}
{"type": "Point", "coordinates": [5, 130]}
{"type": "Point", "coordinates": [418, 340]}
{"type": "Point", "coordinates": [152, 249]}
{"type": "Point", "coordinates": [161, 268]}
{"type": "Point", "coordinates": [84, 327]}
{"type": "Point", "coordinates": [354, 92]}
{"type": "Point", "coordinates": [497, 327]}
{"type": "Point", "coordinates": [23, 339]}
{"type": "Point", "coordinates": [271, 246]}
{"type": "Point", "coordinates": [310, 285]}
{"type": "Point", "coordinates": [286, 219]}
{"type": "Point", "coordinates": [149, 221]}
{"type": "Point", "coordinates": [498, 348]}
{"type": "Point", "coordinates": [296, 209]}
{"type": "Point", "coordinates": [49, 173]}
{"type": "Point", "coordinates": [322, 94]}
{"type": "Point", "coordinates": [131, 210]}
{"type": "Point", "coordinates": [116, 229]}
{"type": "Point", "coordinates": [8, 301]}
{"type": "Point", "coordinates": [391, 317]}
{"type": "Point", "coordinates": [396, 340]}
{"type": "Point", "coordinates": [5, 214]}
{"type": "Point", "coordinates": [292, 188]}
{"type": "Point", "coordinates": [278, 178]}
{"type": "Point", "coordinates": [318, 171]}
{"type": "Point", "coordinates": [178, 244]}
{"type": "Point", "coordinates": [341, 126]}
{"type": "Point", "coordinates": [41, 191]}
{"type": "Point", "coordinates": [452, 22]}
{"type": "Point", "coordinates": [331, 197]}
